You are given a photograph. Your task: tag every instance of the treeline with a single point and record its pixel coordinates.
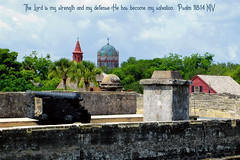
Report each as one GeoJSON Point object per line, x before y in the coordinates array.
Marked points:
{"type": "Point", "coordinates": [40, 73]}
{"type": "Point", "coordinates": [132, 71]}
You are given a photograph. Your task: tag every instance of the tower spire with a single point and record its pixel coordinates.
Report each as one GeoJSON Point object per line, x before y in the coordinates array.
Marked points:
{"type": "Point", "coordinates": [77, 53]}
{"type": "Point", "coordinates": [108, 41]}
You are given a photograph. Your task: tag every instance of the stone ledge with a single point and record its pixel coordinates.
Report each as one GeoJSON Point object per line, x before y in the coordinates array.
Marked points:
{"type": "Point", "coordinates": [11, 122]}
{"type": "Point", "coordinates": [207, 122]}
{"type": "Point", "coordinates": [165, 82]}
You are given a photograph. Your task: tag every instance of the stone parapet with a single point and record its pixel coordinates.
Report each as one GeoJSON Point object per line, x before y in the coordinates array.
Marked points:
{"type": "Point", "coordinates": [139, 140]}
{"type": "Point", "coordinates": [109, 103]}
{"type": "Point", "coordinates": [104, 102]}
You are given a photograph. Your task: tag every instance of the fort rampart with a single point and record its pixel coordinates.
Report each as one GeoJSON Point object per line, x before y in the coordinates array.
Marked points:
{"type": "Point", "coordinates": [20, 104]}
{"type": "Point", "coordinates": [146, 140]}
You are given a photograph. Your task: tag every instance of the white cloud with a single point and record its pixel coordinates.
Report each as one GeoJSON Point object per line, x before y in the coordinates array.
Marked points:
{"type": "Point", "coordinates": [133, 33]}
{"type": "Point", "coordinates": [110, 27]}
{"type": "Point", "coordinates": [83, 24]}
{"type": "Point", "coordinates": [4, 25]}
{"type": "Point", "coordinates": [233, 51]}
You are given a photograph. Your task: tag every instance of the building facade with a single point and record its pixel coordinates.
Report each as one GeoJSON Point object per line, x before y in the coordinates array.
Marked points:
{"type": "Point", "coordinates": [108, 56]}
{"type": "Point", "coordinates": [214, 84]}
{"type": "Point", "coordinates": [77, 53]}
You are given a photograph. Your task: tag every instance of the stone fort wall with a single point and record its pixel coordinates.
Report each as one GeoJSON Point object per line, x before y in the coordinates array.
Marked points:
{"type": "Point", "coordinates": [155, 140]}
{"type": "Point", "coordinates": [21, 104]}
{"type": "Point", "coordinates": [16, 105]}
{"type": "Point", "coordinates": [214, 105]}
{"type": "Point", "coordinates": [109, 103]}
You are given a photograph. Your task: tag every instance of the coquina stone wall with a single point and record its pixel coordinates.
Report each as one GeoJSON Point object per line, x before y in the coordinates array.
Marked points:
{"type": "Point", "coordinates": [150, 140]}
{"type": "Point", "coordinates": [16, 105]}
{"type": "Point", "coordinates": [140, 106]}
{"type": "Point", "coordinates": [214, 105]}
{"type": "Point", "coordinates": [109, 103]}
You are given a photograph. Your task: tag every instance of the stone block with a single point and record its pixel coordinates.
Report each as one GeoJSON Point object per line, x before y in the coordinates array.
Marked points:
{"type": "Point", "coordinates": [166, 75]}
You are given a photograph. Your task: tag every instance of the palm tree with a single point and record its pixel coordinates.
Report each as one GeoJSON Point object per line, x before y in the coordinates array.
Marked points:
{"type": "Point", "coordinates": [76, 73]}
{"type": "Point", "coordinates": [84, 73]}
{"type": "Point", "coordinates": [61, 69]}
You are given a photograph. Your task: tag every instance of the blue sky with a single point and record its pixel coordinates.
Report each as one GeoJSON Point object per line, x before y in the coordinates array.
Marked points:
{"type": "Point", "coordinates": [141, 34]}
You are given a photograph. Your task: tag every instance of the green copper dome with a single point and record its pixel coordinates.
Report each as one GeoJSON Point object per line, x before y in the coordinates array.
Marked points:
{"type": "Point", "coordinates": [109, 49]}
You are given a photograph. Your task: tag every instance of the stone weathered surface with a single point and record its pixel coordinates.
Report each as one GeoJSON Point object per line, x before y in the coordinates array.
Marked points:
{"type": "Point", "coordinates": [214, 105]}
{"type": "Point", "coordinates": [166, 75]}
{"type": "Point", "coordinates": [16, 105]}
{"type": "Point", "coordinates": [165, 82]}
{"type": "Point", "coordinates": [109, 103]}
{"type": "Point", "coordinates": [157, 140]}
{"type": "Point", "coordinates": [139, 103]}
{"type": "Point", "coordinates": [165, 99]}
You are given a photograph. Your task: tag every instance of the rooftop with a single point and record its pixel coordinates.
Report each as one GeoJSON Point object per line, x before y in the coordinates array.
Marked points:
{"type": "Point", "coordinates": [222, 84]}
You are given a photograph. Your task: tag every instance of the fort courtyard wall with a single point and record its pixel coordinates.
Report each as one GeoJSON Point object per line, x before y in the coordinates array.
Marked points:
{"type": "Point", "coordinates": [214, 105]}
{"type": "Point", "coordinates": [109, 103]}
{"type": "Point", "coordinates": [21, 104]}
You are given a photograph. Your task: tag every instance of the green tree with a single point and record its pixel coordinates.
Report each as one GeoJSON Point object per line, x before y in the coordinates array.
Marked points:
{"type": "Point", "coordinates": [132, 71]}
{"type": "Point", "coordinates": [8, 62]}
{"type": "Point", "coordinates": [12, 78]}
{"type": "Point", "coordinates": [76, 73]}
{"type": "Point", "coordinates": [39, 65]}
{"type": "Point", "coordinates": [196, 64]}
{"type": "Point", "coordinates": [172, 62]}
{"type": "Point", "coordinates": [85, 72]}
{"type": "Point", "coordinates": [236, 74]}
{"type": "Point", "coordinates": [61, 69]}
{"type": "Point", "coordinates": [50, 84]}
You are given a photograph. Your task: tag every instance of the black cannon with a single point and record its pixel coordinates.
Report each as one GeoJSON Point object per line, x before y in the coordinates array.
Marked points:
{"type": "Point", "coordinates": [61, 108]}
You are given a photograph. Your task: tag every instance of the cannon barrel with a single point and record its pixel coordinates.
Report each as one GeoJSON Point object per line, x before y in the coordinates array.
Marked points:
{"type": "Point", "coordinates": [57, 95]}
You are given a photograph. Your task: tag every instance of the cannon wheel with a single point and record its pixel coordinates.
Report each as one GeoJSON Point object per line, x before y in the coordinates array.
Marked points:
{"type": "Point", "coordinates": [68, 119]}
{"type": "Point", "coordinates": [43, 118]}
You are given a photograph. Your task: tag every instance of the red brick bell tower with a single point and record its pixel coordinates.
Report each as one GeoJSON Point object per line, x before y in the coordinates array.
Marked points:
{"type": "Point", "coordinates": [77, 53]}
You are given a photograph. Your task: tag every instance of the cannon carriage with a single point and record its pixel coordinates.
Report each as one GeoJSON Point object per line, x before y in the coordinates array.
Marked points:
{"type": "Point", "coordinates": [61, 108]}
